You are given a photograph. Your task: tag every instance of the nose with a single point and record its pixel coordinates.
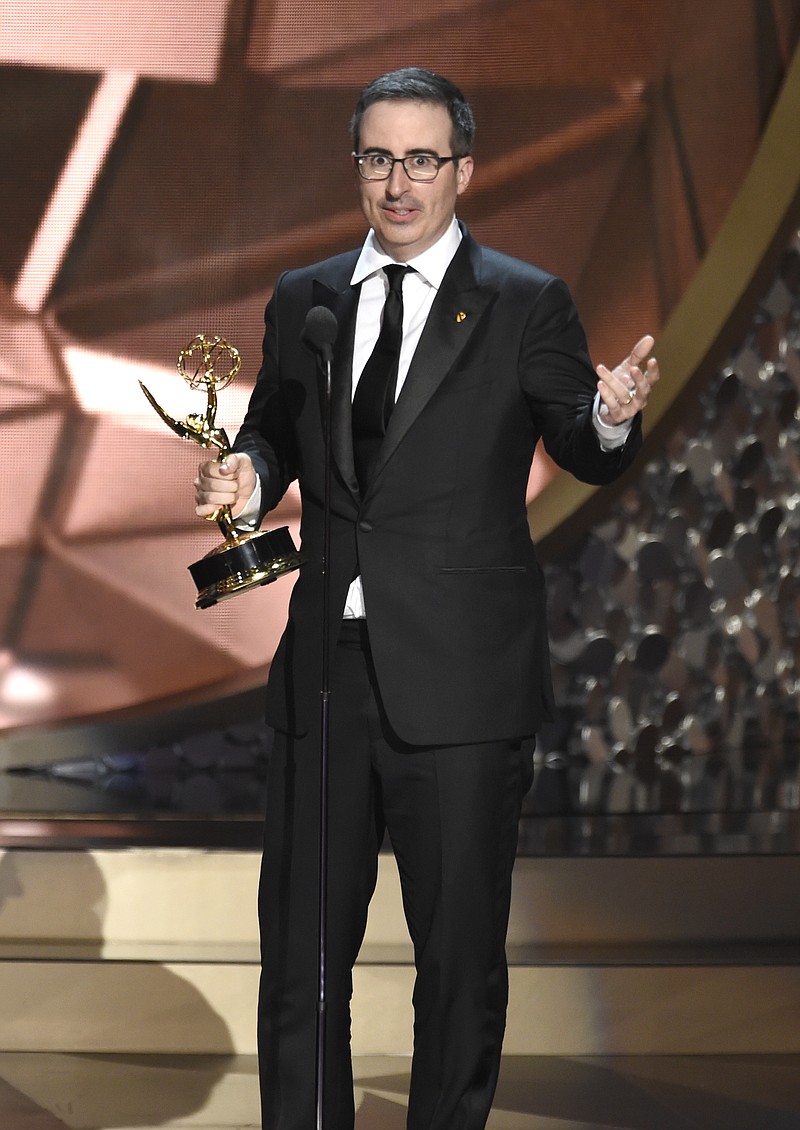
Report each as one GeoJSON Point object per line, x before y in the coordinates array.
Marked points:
{"type": "Point", "coordinates": [398, 180]}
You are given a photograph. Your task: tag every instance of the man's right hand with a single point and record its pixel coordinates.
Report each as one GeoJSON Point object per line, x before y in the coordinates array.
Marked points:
{"type": "Point", "coordinates": [228, 483]}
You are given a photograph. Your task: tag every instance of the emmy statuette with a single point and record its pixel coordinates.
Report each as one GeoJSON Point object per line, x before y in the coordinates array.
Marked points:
{"type": "Point", "coordinates": [244, 560]}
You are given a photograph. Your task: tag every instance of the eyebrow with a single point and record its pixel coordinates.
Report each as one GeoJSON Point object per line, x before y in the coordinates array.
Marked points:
{"type": "Point", "coordinates": [421, 152]}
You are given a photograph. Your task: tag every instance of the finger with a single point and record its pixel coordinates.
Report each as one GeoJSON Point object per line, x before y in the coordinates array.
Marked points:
{"type": "Point", "coordinates": [206, 504]}
{"type": "Point", "coordinates": [212, 471]}
{"type": "Point", "coordinates": [216, 483]}
{"type": "Point", "coordinates": [643, 383]}
{"type": "Point", "coordinates": [230, 465]}
{"type": "Point", "coordinates": [219, 488]}
{"type": "Point", "coordinates": [616, 411]}
{"type": "Point", "coordinates": [641, 349]}
{"type": "Point", "coordinates": [653, 372]}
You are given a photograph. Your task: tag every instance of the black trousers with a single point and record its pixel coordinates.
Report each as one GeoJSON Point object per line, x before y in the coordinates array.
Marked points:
{"type": "Point", "coordinates": [451, 813]}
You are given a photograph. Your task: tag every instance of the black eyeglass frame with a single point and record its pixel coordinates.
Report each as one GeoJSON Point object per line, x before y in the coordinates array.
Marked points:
{"type": "Point", "coordinates": [358, 158]}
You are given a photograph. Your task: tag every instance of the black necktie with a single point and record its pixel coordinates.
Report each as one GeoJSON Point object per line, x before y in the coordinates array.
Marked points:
{"type": "Point", "coordinates": [375, 392]}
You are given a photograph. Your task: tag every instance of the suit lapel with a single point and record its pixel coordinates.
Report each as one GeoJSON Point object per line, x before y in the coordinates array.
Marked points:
{"type": "Point", "coordinates": [343, 305]}
{"type": "Point", "coordinates": [454, 317]}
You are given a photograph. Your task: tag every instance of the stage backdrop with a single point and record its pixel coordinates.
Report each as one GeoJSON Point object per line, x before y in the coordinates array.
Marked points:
{"type": "Point", "coordinates": [163, 162]}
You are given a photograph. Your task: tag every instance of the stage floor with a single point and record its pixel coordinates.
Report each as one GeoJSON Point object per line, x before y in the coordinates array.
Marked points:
{"type": "Point", "coordinates": [95, 1092]}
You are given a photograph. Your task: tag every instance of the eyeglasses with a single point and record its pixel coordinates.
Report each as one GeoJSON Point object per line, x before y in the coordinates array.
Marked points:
{"type": "Point", "coordinates": [419, 166]}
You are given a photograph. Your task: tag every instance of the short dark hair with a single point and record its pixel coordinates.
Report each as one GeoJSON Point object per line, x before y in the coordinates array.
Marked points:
{"type": "Point", "coordinates": [415, 84]}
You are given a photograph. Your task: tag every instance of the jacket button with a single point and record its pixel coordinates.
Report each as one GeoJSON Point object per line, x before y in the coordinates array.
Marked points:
{"type": "Point", "coordinates": [365, 526]}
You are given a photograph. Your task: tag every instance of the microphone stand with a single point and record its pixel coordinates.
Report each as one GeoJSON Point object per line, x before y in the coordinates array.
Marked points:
{"type": "Point", "coordinates": [325, 696]}
{"type": "Point", "coordinates": [319, 333]}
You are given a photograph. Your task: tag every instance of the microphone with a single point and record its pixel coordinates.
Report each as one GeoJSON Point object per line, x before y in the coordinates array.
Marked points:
{"type": "Point", "coordinates": [320, 332]}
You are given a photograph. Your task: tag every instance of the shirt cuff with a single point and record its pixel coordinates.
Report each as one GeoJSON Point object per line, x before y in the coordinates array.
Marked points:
{"type": "Point", "coordinates": [610, 436]}
{"type": "Point", "coordinates": [247, 520]}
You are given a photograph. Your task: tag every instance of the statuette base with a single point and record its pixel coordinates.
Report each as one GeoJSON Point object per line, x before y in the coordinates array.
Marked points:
{"type": "Point", "coordinates": [248, 562]}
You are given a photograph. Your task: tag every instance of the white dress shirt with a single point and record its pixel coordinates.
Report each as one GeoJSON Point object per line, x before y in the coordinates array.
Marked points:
{"type": "Point", "coordinates": [420, 287]}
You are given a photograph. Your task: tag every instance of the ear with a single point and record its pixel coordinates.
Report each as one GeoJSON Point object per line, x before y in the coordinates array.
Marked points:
{"type": "Point", "coordinates": [464, 174]}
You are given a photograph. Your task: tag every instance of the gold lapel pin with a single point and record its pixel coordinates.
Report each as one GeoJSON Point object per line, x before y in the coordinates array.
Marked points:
{"type": "Point", "coordinates": [461, 316]}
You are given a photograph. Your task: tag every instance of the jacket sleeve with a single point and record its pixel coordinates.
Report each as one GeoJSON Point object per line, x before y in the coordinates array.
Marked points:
{"type": "Point", "coordinates": [267, 432]}
{"type": "Point", "coordinates": [560, 384]}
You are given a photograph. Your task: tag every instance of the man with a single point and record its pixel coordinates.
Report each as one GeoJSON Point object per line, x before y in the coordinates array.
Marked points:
{"type": "Point", "coordinates": [439, 674]}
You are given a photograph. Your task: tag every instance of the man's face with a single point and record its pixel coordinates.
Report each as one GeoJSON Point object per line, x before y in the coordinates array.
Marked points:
{"type": "Point", "coordinates": [409, 216]}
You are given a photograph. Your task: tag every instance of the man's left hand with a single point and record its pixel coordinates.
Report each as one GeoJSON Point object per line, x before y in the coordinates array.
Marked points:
{"type": "Point", "coordinates": [625, 389]}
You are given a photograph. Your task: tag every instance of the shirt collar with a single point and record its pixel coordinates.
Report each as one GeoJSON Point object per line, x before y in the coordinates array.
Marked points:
{"type": "Point", "coordinates": [431, 264]}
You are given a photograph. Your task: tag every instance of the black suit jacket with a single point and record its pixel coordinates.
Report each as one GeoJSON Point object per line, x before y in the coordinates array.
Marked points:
{"type": "Point", "coordinates": [454, 595]}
